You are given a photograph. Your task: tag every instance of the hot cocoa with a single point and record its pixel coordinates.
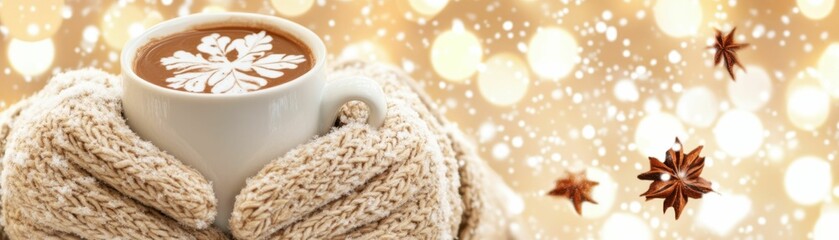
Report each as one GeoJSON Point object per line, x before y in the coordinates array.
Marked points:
{"type": "Point", "coordinates": [223, 60]}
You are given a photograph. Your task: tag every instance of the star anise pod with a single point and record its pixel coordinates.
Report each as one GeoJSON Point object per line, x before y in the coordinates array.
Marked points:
{"type": "Point", "coordinates": [726, 50]}
{"type": "Point", "coordinates": [677, 178]}
{"type": "Point", "coordinates": [575, 187]}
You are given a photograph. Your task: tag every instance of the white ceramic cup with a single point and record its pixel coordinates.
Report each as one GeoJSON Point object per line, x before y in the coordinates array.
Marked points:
{"type": "Point", "coordinates": [229, 138]}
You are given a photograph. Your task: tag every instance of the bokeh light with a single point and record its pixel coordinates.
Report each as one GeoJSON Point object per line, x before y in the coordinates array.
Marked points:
{"type": "Point", "coordinates": [30, 20]}
{"type": "Point", "coordinates": [31, 58]}
{"type": "Point", "coordinates": [722, 212]}
{"type": "Point", "coordinates": [619, 226]}
{"type": "Point", "coordinates": [292, 8]}
{"type": "Point", "coordinates": [626, 91]}
{"type": "Point", "coordinates": [678, 18]}
{"type": "Point", "coordinates": [605, 193]}
{"type": "Point", "coordinates": [213, 9]}
{"type": "Point", "coordinates": [513, 203]}
{"type": "Point", "coordinates": [504, 79]}
{"type": "Point", "coordinates": [552, 53]}
{"type": "Point", "coordinates": [122, 23]}
{"type": "Point", "coordinates": [828, 69]}
{"type": "Point", "coordinates": [826, 226]}
{"type": "Point", "coordinates": [456, 54]}
{"type": "Point", "coordinates": [674, 57]}
{"type": "Point", "coordinates": [365, 50]}
{"type": "Point", "coordinates": [90, 36]}
{"type": "Point", "coordinates": [752, 89]}
{"type": "Point", "coordinates": [655, 133]}
{"type": "Point", "coordinates": [698, 107]}
{"type": "Point", "coordinates": [807, 106]}
{"type": "Point", "coordinates": [815, 9]}
{"type": "Point", "coordinates": [428, 8]}
{"type": "Point", "coordinates": [808, 180]}
{"type": "Point", "coordinates": [739, 133]}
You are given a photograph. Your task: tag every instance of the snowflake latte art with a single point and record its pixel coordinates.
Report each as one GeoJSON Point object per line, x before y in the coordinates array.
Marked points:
{"type": "Point", "coordinates": [223, 60]}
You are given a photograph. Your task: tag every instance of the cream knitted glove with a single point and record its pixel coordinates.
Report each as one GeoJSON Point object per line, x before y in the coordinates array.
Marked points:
{"type": "Point", "coordinates": [412, 178]}
{"type": "Point", "coordinates": [73, 169]}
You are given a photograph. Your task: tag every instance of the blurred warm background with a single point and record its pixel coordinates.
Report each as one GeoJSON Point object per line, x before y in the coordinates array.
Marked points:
{"type": "Point", "coordinates": [548, 86]}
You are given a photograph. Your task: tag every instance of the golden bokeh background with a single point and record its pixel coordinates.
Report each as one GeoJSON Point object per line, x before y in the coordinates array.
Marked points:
{"type": "Point", "coordinates": [543, 87]}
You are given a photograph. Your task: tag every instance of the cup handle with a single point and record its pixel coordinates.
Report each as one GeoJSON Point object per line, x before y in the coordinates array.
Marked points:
{"type": "Point", "coordinates": [337, 93]}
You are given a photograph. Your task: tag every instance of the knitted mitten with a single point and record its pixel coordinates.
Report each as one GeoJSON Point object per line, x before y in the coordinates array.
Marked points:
{"type": "Point", "coordinates": [71, 168]}
{"type": "Point", "coordinates": [412, 178]}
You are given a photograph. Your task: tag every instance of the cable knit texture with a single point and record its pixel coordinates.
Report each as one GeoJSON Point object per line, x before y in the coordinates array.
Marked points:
{"type": "Point", "coordinates": [71, 169]}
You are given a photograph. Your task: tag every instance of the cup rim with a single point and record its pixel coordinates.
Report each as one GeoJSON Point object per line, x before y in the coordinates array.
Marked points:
{"type": "Point", "coordinates": [303, 34]}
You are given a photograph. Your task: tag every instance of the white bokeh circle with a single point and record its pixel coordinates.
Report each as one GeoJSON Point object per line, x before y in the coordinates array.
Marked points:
{"type": "Point", "coordinates": [815, 9]}
{"type": "Point", "coordinates": [826, 226]}
{"type": "Point", "coordinates": [807, 106]}
{"type": "Point", "coordinates": [500, 151]}
{"type": "Point", "coordinates": [504, 80]}
{"type": "Point", "coordinates": [808, 180]}
{"type": "Point", "coordinates": [656, 132]}
{"type": "Point", "coordinates": [678, 18]}
{"type": "Point", "coordinates": [552, 53]}
{"type": "Point", "coordinates": [31, 58]}
{"type": "Point", "coordinates": [292, 8]}
{"type": "Point", "coordinates": [674, 57]}
{"type": "Point", "coordinates": [828, 69]}
{"type": "Point", "coordinates": [626, 91]}
{"type": "Point", "coordinates": [428, 8]}
{"type": "Point", "coordinates": [752, 89]}
{"type": "Point", "coordinates": [456, 54]}
{"type": "Point", "coordinates": [698, 107]}
{"type": "Point", "coordinates": [739, 133]}
{"type": "Point", "coordinates": [365, 50]}
{"type": "Point", "coordinates": [621, 226]}
{"type": "Point", "coordinates": [721, 213]}
{"type": "Point", "coordinates": [605, 193]}
{"type": "Point", "coordinates": [122, 23]}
